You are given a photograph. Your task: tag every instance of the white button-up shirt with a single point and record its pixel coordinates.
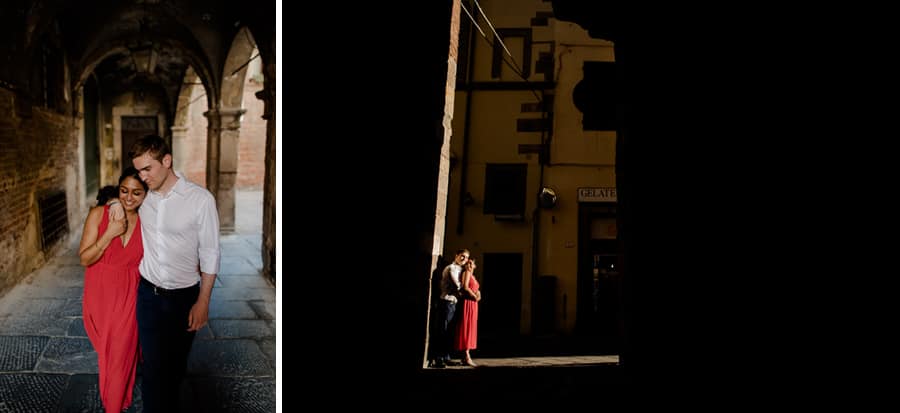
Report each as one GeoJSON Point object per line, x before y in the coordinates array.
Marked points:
{"type": "Point", "coordinates": [450, 282]}
{"type": "Point", "coordinates": [181, 235]}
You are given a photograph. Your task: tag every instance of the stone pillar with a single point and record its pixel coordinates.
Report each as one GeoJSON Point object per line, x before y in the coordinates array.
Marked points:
{"type": "Point", "coordinates": [213, 129]}
{"type": "Point", "coordinates": [267, 95]}
{"type": "Point", "coordinates": [179, 147]}
{"type": "Point", "coordinates": [222, 161]}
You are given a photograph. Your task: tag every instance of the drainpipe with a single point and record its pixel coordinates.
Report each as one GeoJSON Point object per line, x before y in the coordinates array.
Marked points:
{"type": "Point", "coordinates": [543, 158]}
{"type": "Point", "coordinates": [535, 246]}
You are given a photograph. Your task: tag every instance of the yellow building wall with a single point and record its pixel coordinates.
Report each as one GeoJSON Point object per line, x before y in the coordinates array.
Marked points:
{"type": "Point", "coordinates": [571, 144]}
{"type": "Point", "coordinates": [510, 14]}
{"type": "Point", "coordinates": [493, 139]}
{"type": "Point", "coordinates": [579, 158]}
{"type": "Point", "coordinates": [559, 233]}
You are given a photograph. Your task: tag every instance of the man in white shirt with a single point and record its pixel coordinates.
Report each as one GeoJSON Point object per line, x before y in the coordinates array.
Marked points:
{"type": "Point", "coordinates": [180, 228]}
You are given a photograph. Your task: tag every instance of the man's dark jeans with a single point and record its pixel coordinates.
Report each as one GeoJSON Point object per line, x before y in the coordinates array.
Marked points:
{"type": "Point", "coordinates": [165, 343]}
{"type": "Point", "coordinates": [446, 330]}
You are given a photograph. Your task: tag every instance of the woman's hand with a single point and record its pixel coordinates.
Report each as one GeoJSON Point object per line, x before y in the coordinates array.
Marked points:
{"type": "Point", "coordinates": [116, 227]}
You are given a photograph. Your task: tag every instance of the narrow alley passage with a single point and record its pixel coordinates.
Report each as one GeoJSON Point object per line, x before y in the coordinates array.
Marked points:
{"type": "Point", "coordinates": [47, 363]}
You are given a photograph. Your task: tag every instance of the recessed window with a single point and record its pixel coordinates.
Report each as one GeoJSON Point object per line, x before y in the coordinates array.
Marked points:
{"type": "Point", "coordinates": [504, 189]}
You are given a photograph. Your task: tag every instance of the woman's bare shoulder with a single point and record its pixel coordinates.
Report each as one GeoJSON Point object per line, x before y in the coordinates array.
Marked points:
{"type": "Point", "coordinates": [95, 213]}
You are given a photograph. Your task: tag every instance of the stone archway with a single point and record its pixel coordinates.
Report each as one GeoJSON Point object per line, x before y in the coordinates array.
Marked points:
{"type": "Point", "coordinates": [189, 129]}
{"type": "Point", "coordinates": [223, 150]}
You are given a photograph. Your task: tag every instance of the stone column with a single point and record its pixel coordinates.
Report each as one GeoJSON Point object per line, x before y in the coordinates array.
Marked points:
{"type": "Point", "coordinates": [267, 95]}
{"type": "Point", "coordinates": [213, 130]}
{"type": "Point", "coordinates": [222, 161]}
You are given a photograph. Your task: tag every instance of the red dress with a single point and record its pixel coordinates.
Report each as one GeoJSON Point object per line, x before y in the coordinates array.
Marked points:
{"type": "Point", "coordinates": [467, 332]}
{"type": "Point", "coordinates": [109, 308]}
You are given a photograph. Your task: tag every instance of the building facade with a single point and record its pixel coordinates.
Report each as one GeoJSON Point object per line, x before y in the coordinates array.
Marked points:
{"type": "Point", "coordinates": [532, 187]}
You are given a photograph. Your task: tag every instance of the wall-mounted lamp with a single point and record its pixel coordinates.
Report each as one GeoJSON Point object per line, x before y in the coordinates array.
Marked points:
{"type": "Point", "coordinates": [547, 198]}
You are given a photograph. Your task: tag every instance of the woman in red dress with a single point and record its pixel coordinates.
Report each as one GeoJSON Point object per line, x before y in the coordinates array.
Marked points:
{"type": "Point", "coordinates": [111, 250]}
{"type": "Point", "coordinates": [467, 331]}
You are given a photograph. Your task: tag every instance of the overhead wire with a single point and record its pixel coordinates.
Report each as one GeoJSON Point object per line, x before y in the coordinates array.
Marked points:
{"type": "Point", "coordinates": [512, 64]}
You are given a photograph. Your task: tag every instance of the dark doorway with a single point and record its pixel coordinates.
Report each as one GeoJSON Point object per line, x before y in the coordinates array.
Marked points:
{"type": "Point", "coordinates": [599, 284]}
{"type": "Point", "coordinates": [134, 128]}
{"type": "Point", "coordinates": [501, 300]}
{"type": "Point", "coordinates": [91, 138]}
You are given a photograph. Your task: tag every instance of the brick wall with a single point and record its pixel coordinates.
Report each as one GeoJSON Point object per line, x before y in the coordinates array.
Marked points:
{"type": "Point", "coordinates": [36, 154]}
{"type": "Point", "coordinates": [252, 143]}
{"type": "Point", "coordinates": [195, 167]}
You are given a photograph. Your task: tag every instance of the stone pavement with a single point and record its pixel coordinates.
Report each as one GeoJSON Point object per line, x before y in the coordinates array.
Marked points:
{"type": "Point", "coordinates": [536, 361]}
{"type": "Point", "coordinates": [47, 363]}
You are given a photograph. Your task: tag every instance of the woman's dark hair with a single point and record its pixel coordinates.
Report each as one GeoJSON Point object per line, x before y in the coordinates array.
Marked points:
{"type": "Point", "coordinates": [130, 171]}
{"type": "Point", "coordinates": [106, 193]}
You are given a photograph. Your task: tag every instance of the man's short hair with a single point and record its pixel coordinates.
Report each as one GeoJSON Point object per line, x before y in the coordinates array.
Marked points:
{"type": "Point", "coordinates": [152, 144]}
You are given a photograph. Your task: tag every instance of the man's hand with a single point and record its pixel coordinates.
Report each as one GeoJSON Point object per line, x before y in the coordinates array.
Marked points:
{"type": "Point", "coordinates": [198, 316]}
{"type": "Point", "coordinates": [116, 211]}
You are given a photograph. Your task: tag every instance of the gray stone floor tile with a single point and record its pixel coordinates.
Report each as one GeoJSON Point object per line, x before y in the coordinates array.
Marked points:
{"type": "Point", "coordinates": [251, 395]}
{"type": "Point", "coordinates": [53, 292]}
{"type": "Point", "coordinates": [236, 265]}
{"type": "Point", "coordinates": [36, 307]}
{"type": "Point", "coordinates": [243, 281]}
{"type": "Point", "coordinates": [83, 395]}
{"type": "Point", "coordinates": [34, 326]}
{"type": "Point", "coordinates": [68, 355]}
{"type": "Point", "coordinates": [204, 333]}
{"type": "Point", "coordinates": [57, 280]}
{"type": "Point", "coordinates": [255, 261]}
{"type": "Point", "coordinates": [231, 309]}
{"type": "Point", "coordinates": [241, 329]}
{"type": "Point", "coordinates": [70, 259]}
{"type": "Point", "coordinates": [229, 293]}
{"type": "Point", "coordinates": [76, 328]}
{"type": "Point", "coordinates": [253, 240]}
{"type": "Point", "coordinates": [239, 357]}
{"type": "Point", "coordinates": [33, 393]}
{"type": "Point", "coordinates": [267, 345]}
{"type": "Point", "coordinates": [264, 309]}
{"type": "Point", "coordinates": [72, 308]}
{"type": "Point", "coordinates": [21, 353]}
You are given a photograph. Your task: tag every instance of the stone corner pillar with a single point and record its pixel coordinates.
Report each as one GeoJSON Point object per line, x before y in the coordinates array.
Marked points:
{"type": "Point", "coordinates": [222, 161]}
{"type": "Point", "coordinates": [269, 227]}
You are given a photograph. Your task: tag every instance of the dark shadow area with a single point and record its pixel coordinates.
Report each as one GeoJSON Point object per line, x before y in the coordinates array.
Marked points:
{"type": "Point", "coordinates": [231, 394]}
{"type": "Point", "coordinates": [556, 345]}
{"type": "Point", "coordinates": [736, 136]}
{"type": "Point", "coordinates": [745, 254]}
{"type": "Point", "coordinates": [512, 384]}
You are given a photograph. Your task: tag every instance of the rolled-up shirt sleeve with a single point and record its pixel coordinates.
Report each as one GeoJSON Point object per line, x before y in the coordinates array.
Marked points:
{"type": "Point", "coordinates": [209, 236]}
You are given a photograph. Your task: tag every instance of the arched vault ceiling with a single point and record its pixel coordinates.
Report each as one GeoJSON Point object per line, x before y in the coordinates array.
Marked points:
{"type": "Point", "coordinates": [175, 33]}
